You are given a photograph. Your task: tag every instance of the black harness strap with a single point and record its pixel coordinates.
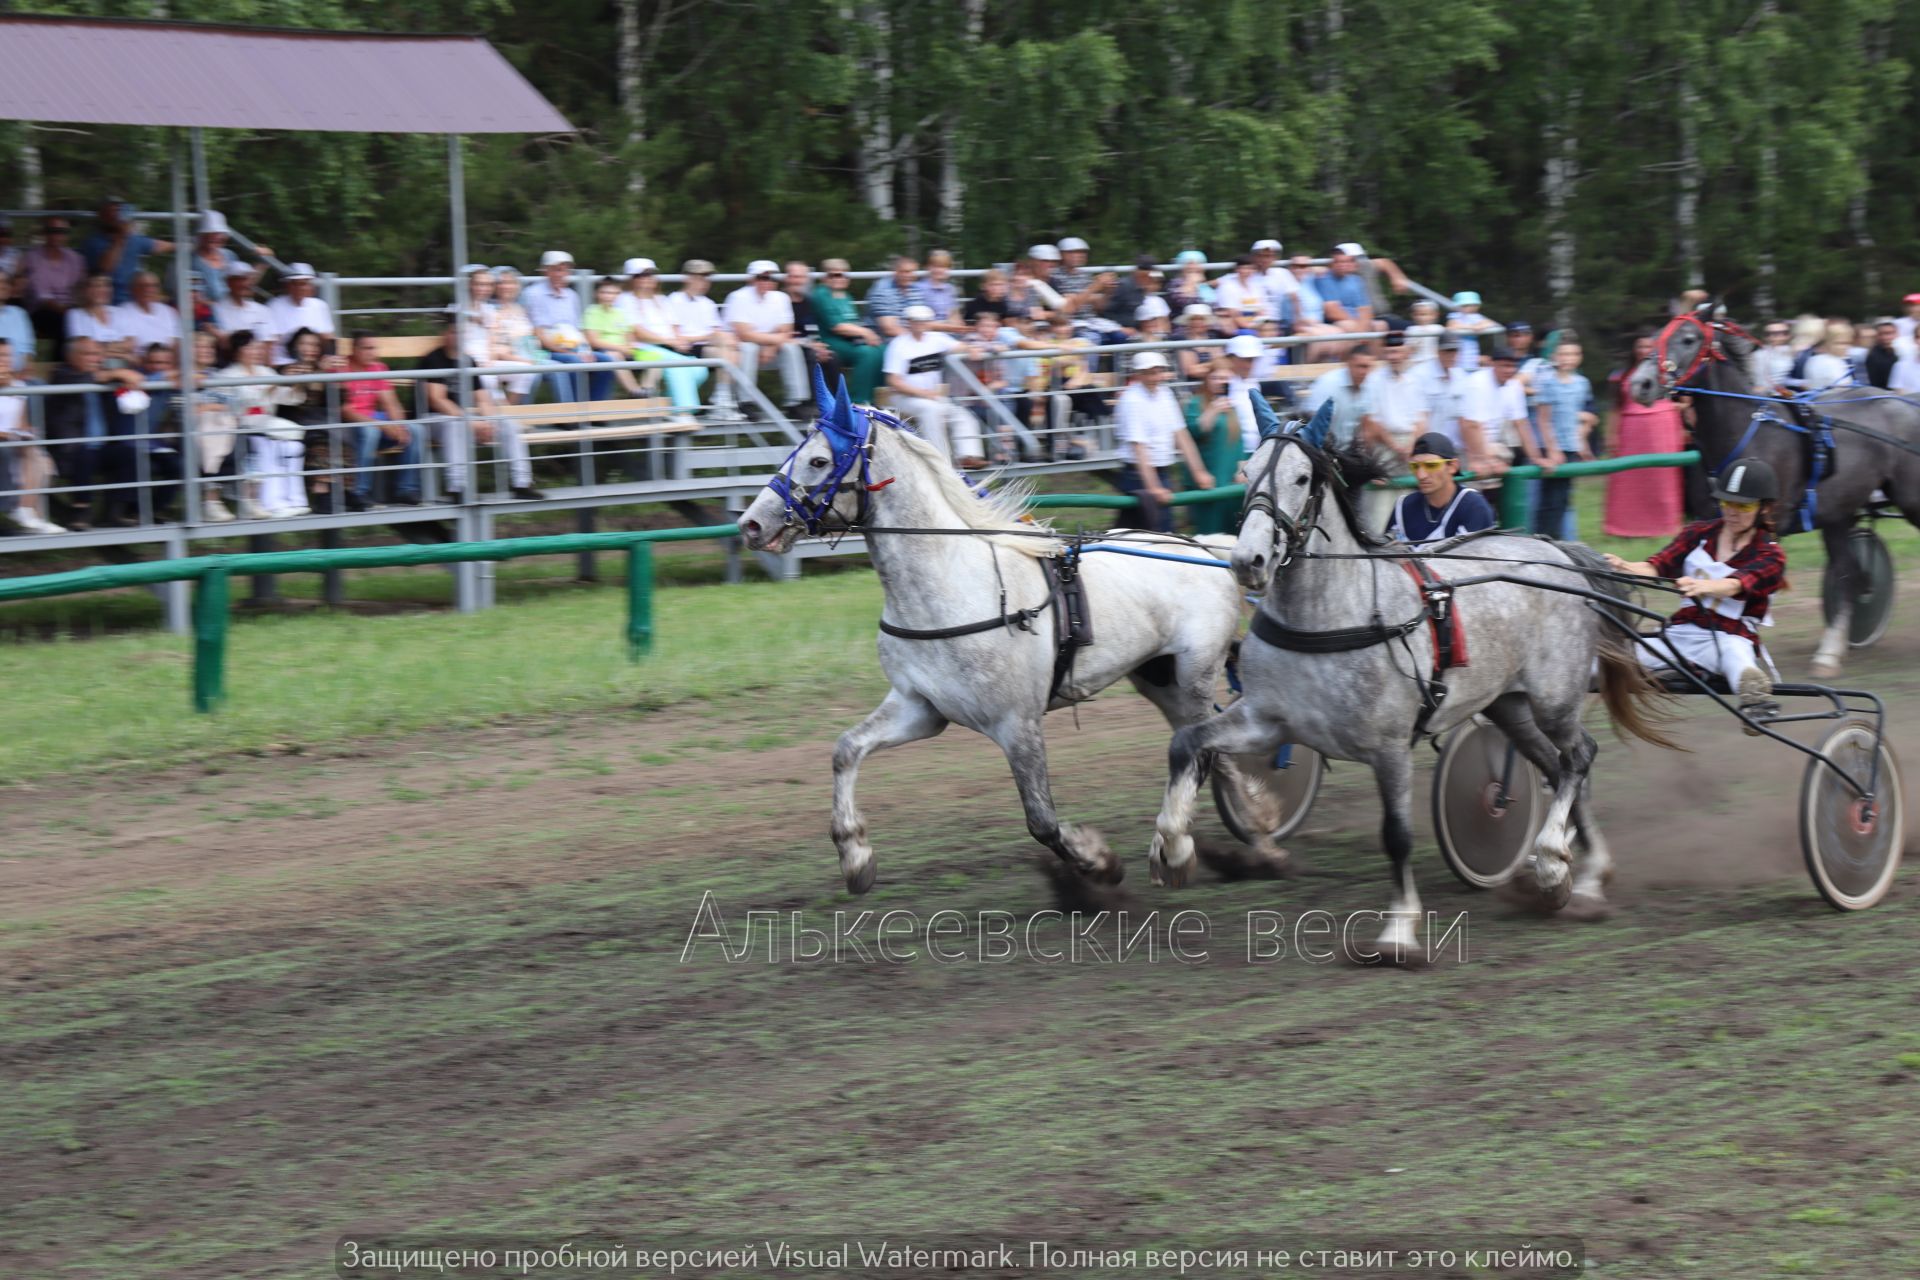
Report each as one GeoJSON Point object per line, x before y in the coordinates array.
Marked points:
{"type": "Point", "coordinates": [1022, 619]}
{"type": "Point", "coordinates": [1345, 639]}
{"type": "Point", "coordinates": [1072, 622]}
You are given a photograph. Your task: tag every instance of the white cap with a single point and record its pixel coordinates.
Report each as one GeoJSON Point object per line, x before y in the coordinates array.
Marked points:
{"type": "Point", "coordinates": [1258, 245]}
{"type": "Point", "coordinates": [555, 258]}
{"type": "Point", "coordinates": [474, 268]}
{"type": "Point", "coordinates": [1245, 346]}
{"type": "Point", "coordinates": [1352, 247]}
{"type": "Point", "coordinates": [918, 311]}
{"type": "Point", "coordinates": [1152, 307]}
{"type": "Point", "coordinates": [1149, 360]}
{"type": "Point", "coordinates": [298, 271]}
{"type": "Point", "coordinates": [1073, 244]}
{"type": "Point", "coordinates": [637, 266]}
{"type": "Point", "coordinates": [763, 267]}
{"type": "Point", "coordinates": [212, 221]}
{"type": "Point", "coordinates": [1044, 252]}
{"type": "Point", "coordinates": [237, 269]}
{"type": "Point", "coordinates": [1199, 309]}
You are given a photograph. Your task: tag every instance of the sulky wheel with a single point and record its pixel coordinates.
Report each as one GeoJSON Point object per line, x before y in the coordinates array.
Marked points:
{"type": "Point", "coordinates": [1253, 795]}
{"type": "Point", "coordinates": [1487, 804]}
{"type": "Point", "coordinates": [1873, 602]}
{"type": "Point", "coordinates": [1852, 846]}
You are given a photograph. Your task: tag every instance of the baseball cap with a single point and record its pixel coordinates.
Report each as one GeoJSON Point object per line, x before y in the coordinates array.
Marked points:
{"type": "Point", "coordinates": [696, 267]}
{"type": "Point", "coordinates": [1149, 360]}
{"type": "Point", "coordinates": [1197, 309]}
{"type": "Point", "coordinates": [1073, 244]}
{"type": "Point", "coordinates": [637, 267]}
{"type": "Point", "coordinates": [213, 222]}
{"type": "Point", "coordinates": [1350, 247]}
{"type": "Point", "coordinates": [1504, 353]}
{"type": "Point", "coordinates": [1152, 307]}
{"type": "Point", "coordinates": [237, 269]}
{"type": "Point", "coordinates": [763, 267]}
{"type": "Point", "coordinates": [1188, 255]}
{"type": "Point", "coordinates": [1466, 298]}
{"type": "Point", "coordinates": [304, 271]}
{"type": "Point", "coordinates": [1911, 299]}
{"type": "Point", "coordinates": [1245, 346]}
{"type": "Point", "coordinates": [556, 258]}
{"type": "Point", "coordinates": [1258, 245]}
{"type": "Point", "coordinates": [1144, 262]}
{"type": "Point", "coordinates": [1044, 252]}
{"type": "Point", "coordinates": [1435, 444]}
{"type": "Point", "coordinates": [1521, 326]}
{"type": "Point", "coordinates": [918, 311]}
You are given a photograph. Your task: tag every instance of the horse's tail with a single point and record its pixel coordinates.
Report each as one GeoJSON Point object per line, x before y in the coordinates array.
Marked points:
{"type": "Point", "coordinates": [1639, 705]}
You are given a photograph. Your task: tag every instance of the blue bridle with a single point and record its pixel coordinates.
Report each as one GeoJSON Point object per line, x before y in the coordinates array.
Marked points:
{"type": "Point", "coordinates": [849, 433]}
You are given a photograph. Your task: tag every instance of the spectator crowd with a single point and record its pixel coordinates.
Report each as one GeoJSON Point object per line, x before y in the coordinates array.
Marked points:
{"type": "Point", "coordinates": [1015, 369]}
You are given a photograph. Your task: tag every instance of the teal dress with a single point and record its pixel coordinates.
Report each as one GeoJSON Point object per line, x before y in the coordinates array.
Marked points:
{"type": "Point", "coordinates": [1220, 451]}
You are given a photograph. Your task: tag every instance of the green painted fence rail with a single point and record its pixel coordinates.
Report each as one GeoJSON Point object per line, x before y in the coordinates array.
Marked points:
{"type": "Point", "coordinates": [211, 574]}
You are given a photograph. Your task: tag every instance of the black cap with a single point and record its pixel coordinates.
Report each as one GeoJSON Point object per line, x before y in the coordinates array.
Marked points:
{"type": "Point", "coordinates": [1437, 445]}
{"type": "Point", "coordinates": [1144, 262]}
{"type": "Point", "coordinates": [1395, 338]}
{"type": "Point", "coordinates": [1747, 479]}
{"type": "Point", "coordinates": [1519, 326]}
{"type": "Point", "coordinates": [1504, 353]}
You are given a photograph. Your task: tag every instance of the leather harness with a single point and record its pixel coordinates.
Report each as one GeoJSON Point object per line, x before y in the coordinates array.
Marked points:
{"type": "Point", "coordinates": [1072, 622]}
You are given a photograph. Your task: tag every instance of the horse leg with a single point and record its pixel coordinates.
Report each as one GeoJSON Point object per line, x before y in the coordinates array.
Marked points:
{"type": "Point", "coordinates": [1081, 848]}
{"type": "Point", "coordinates": [1393, 775]}
{"type": "Point", "coordinates": [1238, 730]}
{"type": "Point", "coordinates": [1546, 876]}
{"type": "Point", "coordinates": [1595, 869]}
{"type": "Point", "coordinates": [1846, 578]}
{"type": "Point", "coordinates": [901, 718]}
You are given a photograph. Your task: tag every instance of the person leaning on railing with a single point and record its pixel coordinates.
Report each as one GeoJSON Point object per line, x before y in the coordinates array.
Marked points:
{"type": "Point", "coordinates": [918, 380]}
{"type": "Point", "coordinates": [1215, 429]}
{"type": "Point", "coordinates": [858, 348]}
{"type": "Point", "coordinates": [1152, 434]}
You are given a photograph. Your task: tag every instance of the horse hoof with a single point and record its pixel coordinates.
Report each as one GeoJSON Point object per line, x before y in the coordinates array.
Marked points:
{"type": "Point", "coordinates": [1528, 887]}
{"type": "Point", "coordinates": [1824, 668]}
{"type": "Point", "coordinates": [861, 878]}
{"type": "Point", "coordinates": [1164, 874]}
{"type": "Point", "coordinates": [1588, 907]}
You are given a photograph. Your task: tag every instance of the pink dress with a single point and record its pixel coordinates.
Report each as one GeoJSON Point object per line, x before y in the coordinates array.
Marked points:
{"type": "Point", "coordinates": [1646, 503]}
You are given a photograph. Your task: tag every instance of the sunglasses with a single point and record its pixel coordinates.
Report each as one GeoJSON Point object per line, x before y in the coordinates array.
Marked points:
{"type": "Point", "coordinates": [1430, 465]}
{"type": "Point", "coordinates": [1739, 508]}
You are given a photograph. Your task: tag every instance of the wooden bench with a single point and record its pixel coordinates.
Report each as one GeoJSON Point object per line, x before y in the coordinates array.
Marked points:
{"type": "Point", "coordinates": [625, 419]}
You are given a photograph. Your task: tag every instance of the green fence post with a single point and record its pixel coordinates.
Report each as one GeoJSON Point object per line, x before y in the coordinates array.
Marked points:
{"type": "Point", "coordinates": [639, 600]}
{"type": "Point", "coordinates": [210, 640]}
{"type": "Point", "coordinates": [1513, 503]}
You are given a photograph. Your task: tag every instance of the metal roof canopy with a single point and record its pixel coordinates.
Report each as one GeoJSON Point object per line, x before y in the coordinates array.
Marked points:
{"type": "Point", "coordinates": [126, 71]}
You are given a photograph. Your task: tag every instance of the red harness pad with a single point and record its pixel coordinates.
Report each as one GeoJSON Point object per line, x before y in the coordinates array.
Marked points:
{"type": "Point", "coordinates": [1443, 619]}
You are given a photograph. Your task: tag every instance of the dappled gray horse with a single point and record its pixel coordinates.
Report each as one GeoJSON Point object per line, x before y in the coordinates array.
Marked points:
{"type": "Point", "coordinates": [968, 634]}
{"type": "Point", "coordinates": [1735, 414]}
{"type": "Point", "coordinates": [1340, 659]}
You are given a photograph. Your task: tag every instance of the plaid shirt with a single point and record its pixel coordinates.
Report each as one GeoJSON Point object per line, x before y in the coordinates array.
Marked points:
{"type": "Point", "coordinates": [1760, 567]}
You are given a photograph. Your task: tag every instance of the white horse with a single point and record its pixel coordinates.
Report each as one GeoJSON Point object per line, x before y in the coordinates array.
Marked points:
{"type": "Point", "coordinates": [968, 634]}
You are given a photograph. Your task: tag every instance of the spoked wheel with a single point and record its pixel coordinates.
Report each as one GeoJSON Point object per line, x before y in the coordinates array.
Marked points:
{"type": "Point", "coordinates": [1487, 804]}
{"type": "Point", "coordinates": [1253, 796]}
{"type": "Point", "coordinates": [1873, 601]}
{"type": "Point", "coordinates": [1852, 846]}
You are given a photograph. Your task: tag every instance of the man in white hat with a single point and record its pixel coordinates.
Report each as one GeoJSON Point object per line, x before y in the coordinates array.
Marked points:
{"type": "Point", "coordinates": [1242, 354]}
{"type": "Point", "coordinates": [298, 308]}
{"type": "Point", "coordinates": [1041, 262]}
{"type": "Point", "coordinates": [1280, 285]}
{"type": "Point", "coordinates": [915, 366]}
{"type": "Point", "coordinates": [1071, 279]}
{"type": "Point", "coordinates": [238, 310]}
{"type": "Point", "coordinates": [146, 319]}
{"type": "Point", "coordinates": [554, 310]}
{"type": "Point", "coordinates": [1152, 434]}
{"type": "Point", "coordinates": [761, 316]}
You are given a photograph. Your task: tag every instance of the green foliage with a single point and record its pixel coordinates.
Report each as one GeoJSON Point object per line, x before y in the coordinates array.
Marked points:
{"type": "Point", "coordinates": [1422, 130]}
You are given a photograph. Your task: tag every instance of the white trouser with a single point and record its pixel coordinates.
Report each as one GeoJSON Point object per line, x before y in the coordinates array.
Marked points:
{"type": "Point", "coordinates": [942, 424]}
{"type": "Point", "coordinates": [451, 434]}
{"type": "Point", "coordinates": [517, 384]}
{"type": "Point", "coordinates": [792, 359]}
{"type": "Point", "coordinates": [1720, 652]}
{"type": "Point", "coordinates": [275, 464]}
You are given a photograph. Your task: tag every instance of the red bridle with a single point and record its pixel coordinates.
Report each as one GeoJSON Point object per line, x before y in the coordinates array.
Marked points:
{"type": "Point", "coordinates": [1710, 348]}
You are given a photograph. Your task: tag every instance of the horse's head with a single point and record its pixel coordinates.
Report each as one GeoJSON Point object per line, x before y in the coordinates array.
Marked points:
{"type": "Point", "coordinates": [823, 484]}
{"type": "Point", "coordinates": [1690, 343]}
{"type": "Point", "coordinates": [1284, 492]}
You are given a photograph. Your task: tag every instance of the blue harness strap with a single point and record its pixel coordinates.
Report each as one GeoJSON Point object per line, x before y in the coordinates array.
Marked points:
{"type": "Point", "coordinates": [1823, 444]}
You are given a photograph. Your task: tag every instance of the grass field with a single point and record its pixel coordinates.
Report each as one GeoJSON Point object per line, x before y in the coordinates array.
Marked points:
{"type": "Point", "coordinates": [395, 944]}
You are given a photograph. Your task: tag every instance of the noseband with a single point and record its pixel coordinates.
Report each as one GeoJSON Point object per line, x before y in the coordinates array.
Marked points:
{"type": "Point", "coordinates": [1290, 533]}
{"type": "Point", "coordinates": [1671, 376]}
{"type": "Point", "coordinates": [808, 506]}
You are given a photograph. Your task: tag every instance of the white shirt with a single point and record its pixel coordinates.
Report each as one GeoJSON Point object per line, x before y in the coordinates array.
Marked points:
{"type": "Point", "coordinates": [1151, 418]}
{"type": "Point", "coordinates": [1774, 364]}
{"type": "Point", "coordinates": [231, 317]}
{"type": "Point", "coordinates": [1399, 402]}
{"type": "Point", "coordinates": [290, 317]}
{"type": "Point", "coordinates": [1498, 409]}
{"type": "Point", "coordinates": [1469, 323]}
{"type": "Point", "coordinates": [1240, 393]}
{"type": "Point", "coordinates": [13, 421]}
{"type": "Point", "coordinates": [1231, 295]}
{"type": "Point", "coordinates": [161, 325]}
{"type": "Point", "coordinates": [1280, 286]}
{"type": "Point", "coordinates": [652, 314]}
{"type": "Point", "coordinates": [695, 318]}
{"type": "Point", "coordinates": [905, 349]}
{"type": "Point", "coordinates": [761, 312]}
{"type": "Point", "coordinates": [1449, 398]}
{"type": "Point", "coordinates": [1350, 403]}
{"type": "Point", "coordinates": [1905, 377]}
{"type": "Point", "coordinates": [81, 324]}
{"type": "Point", "coordinates": [1824, 371]}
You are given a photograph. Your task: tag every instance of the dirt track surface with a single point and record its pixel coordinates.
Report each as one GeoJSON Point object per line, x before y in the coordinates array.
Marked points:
{"type": "Point", "coordinates": [434, 985]}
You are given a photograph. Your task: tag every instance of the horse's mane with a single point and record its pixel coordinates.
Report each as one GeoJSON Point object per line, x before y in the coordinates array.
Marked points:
{"type": "Point", "coordinates": [997, 512]}
{"type": "Point", "coordinates": [1351, 468]}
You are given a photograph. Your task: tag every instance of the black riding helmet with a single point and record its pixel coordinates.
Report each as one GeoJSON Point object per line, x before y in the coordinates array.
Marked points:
{"type": "Point", "coordinates": [1747, 480]}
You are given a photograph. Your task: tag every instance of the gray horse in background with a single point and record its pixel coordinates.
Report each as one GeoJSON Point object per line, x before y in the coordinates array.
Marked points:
{"type": "Point", "coordinates": [1700, 353]}
{"type": "Point", "coordinates": [1531, 654]}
